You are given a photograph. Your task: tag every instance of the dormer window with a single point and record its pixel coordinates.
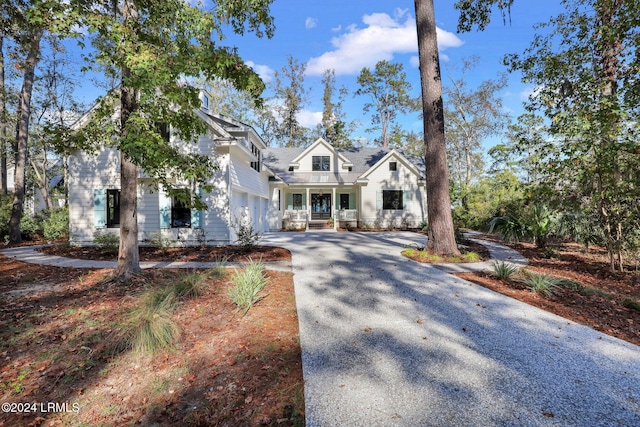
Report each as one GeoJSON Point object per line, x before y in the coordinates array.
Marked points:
{"type": "Point", "coordinates": [205, 102]}
{"type": "Point", "coordinates": [321, 163]}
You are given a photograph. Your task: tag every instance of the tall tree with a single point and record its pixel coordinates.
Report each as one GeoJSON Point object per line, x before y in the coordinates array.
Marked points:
{"type": "Point", "coordinates": [30, 20]}
{"type": "Point", "coordinates": [333, 127]}
{"type": "Point", "coordinates": [471, 116]}
{"type": "Point", "coordinates": [152, 48]}
{"type": "Point", "coordinates": [290, 96]}
{"type": "Point", "coordinates": [440, 230]}
{"type": "Point", "coordinates": [31, 44]}
{"type": "Point", "coordinates": [585, 69]}
{"type": "Point", "coordinates": [389, 91]}
{"type": "Point", "coordinates": [4, 125]}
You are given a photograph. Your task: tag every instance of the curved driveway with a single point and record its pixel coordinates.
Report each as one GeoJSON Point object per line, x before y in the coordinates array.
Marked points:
{"type": "Point", "coordinates": [390, 342]}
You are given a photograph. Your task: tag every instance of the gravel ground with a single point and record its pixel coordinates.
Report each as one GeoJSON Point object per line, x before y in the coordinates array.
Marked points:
{"type": "Point", "coordinates": [390, 342]}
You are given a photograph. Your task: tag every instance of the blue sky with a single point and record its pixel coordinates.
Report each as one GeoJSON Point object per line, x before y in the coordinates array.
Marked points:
{"type": "Point", "coordinates": [349, 35]}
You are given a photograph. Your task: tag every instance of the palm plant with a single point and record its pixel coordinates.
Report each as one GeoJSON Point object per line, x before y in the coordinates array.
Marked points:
{"type": "Point", "coordinates": [543, 283]}
{"type": "Point", "coordinates": [504, 270]}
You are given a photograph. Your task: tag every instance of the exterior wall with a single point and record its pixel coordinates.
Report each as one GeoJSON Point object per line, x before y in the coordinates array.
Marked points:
{"type": "Point", "coordinates": [321, 150]}
{"type": "Point", "coordinates": [379, 179]}
{"type": "Point", "coordinates": [83, 180]}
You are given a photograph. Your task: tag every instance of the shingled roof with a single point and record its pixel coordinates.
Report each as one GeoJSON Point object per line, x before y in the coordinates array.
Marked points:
{"type": "Point", "coordinates": [363, 159]}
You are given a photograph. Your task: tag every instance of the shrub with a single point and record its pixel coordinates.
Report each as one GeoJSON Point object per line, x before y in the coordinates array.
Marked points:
{"type": "Point", "coordinates": [56, 224]}
{"type": "Point", "coordinates": [159, 241]}
{"type": "Point", "coordinates": [32, 226]}
{"type": "Point", "coordinates": [504, 270]}
{"type": "Point", "coordinates": [247, 284]}
{"type": "Point", "coordinates": [247, 237]}
{"type": "Point", "coordinates": [106, 241]}
{"type": "Point", "coordinates": [543, 284]}
{"type": "Point", "coordinates": [5, 214]}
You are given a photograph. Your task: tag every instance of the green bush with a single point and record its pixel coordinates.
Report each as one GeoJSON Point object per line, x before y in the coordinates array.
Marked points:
{"type": "Point", "coordinates": [247, 237]}
{"type": "Point", "coordinates": [5, 214]}
{"type": "Point", "coordinates": [247, 285]}
{"type": "Point", "coordinates": [56, 224]}
{"type": "Point", "coordinates": [32, 226]}
{"type": "Point", "coordinates": [159, 241]}
{"type": "Point", "coordinates": [106, 241]}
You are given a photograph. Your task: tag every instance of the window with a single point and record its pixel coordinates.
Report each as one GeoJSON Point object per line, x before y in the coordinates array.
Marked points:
{"type": "Point", "coordinates": [180, 210]}
{"type": "Point", "coordinates": [205, 102]}
{"type": "Point", "coordinates": [113, 208]}
{"type": "Point", "coordinates": [164, 130]}
{"type": "Point", "coordinates": [392, 199]}
{"type": "Point", "coordinates": [297, 202]}
{"type": "Point", "coordinates": [320, 163]}
{"type": "Point", "coordinates": [393, 166]}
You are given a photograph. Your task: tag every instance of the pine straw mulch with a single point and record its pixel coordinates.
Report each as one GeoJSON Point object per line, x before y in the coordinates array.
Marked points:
{"type": "Point", "coordinates": [598, 305]}
{"type": "Point", "coordinates": [58, 334]}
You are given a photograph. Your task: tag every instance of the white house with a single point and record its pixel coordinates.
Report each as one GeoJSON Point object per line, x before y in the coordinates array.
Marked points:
{"type": "Point", "coordinates": [364, 187]}
{"type": "Point", "coordinates": [271, 188]}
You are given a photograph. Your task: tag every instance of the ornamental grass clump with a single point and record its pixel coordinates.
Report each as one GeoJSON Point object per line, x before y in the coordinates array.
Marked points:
{"type": "Point", "coordinates": [191, 285]}
{"type": "Point", "coordinates": [504, 270]}
{"type": "Point", "coordinates": [149, 327]}
{"type": "Point", "coordinates": [247, 285]}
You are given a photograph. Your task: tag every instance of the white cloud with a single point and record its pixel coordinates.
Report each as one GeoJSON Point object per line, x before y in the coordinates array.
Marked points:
{"type": "Point", "coordinates": [381, 38]}
{"type": "Point", "coordinates": [528, 92]}
{"type": "Point", "coordinates": [309, 118]}
{"type": "Point", "coordinates": [264, 71]}
{"type": "Point", "coordinates": [310, 23]}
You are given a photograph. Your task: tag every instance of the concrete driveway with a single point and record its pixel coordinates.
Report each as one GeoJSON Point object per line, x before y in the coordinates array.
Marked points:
{"type": "Point", "coordinates": [390, 342]}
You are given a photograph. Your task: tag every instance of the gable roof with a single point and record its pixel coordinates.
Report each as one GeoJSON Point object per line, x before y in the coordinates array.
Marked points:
{"type": "Point", "coordinates": [363, 160]}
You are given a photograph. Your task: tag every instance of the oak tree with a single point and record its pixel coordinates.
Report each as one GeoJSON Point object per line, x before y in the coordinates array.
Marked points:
{"type": "Point", "coordinates": [153, 49]}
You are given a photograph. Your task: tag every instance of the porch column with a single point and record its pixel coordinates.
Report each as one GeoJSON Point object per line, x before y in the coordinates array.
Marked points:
{"type": "Point", "coordinates": [308, 208]}
{"type": "Point", "coordinates": [335, 211]}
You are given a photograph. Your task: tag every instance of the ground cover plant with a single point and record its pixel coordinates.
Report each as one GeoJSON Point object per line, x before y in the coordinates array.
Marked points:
{"type": "Point", "coordinates": [470, 252]}
{"type": "Point", "coordinates": [572, 282]}
{"type": "Point", "coordinates": [61, 340]}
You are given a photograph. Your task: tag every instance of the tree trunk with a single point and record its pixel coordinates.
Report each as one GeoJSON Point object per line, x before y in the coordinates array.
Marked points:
{"type": "Point", "coordinates": [4, 184]}
{"type": "Point", "coordinates": [440, 231]}
{"type": "Point", "coordinates": [128, 254]}
{"type": "Point", "coordinates": [22, 136]}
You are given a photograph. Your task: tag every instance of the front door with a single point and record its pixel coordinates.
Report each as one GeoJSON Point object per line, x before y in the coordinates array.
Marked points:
{"type": "Point", "coordinates": [320, 206]}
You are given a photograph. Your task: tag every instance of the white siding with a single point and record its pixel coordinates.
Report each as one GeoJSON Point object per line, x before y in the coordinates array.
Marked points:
{"type": "Point", "coordinates": [87, 173]}
{"type": "Point", "coordinates": [382, 179]}
{"type": "Point", "coordinates": [246, 179]}
{"type": "Point", "coordinates": [238, 189]}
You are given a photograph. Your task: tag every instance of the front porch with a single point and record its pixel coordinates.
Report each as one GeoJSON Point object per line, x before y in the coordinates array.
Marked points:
{"type": "Point", "coordinates": [304, 220]}
{"type": "Point", "coordinates": [309, 208]}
